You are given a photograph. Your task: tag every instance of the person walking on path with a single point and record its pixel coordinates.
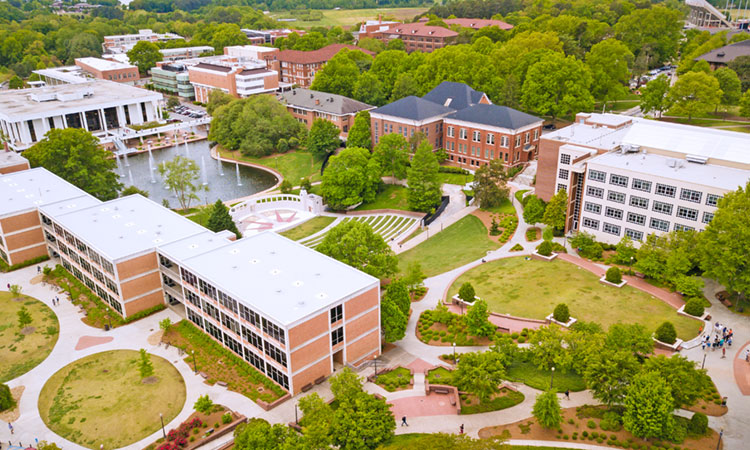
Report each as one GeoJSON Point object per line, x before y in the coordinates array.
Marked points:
{"type": "Point", "coordinates": [567, 394]}
{"type": "Point", "coordinates": [461, 429]}
{"type": "Point", "coordinates": [10, 427]}
{"type": "Point", "coordinates": [403, 422]}
{"type": "Point", "coordinates": [723, 352]}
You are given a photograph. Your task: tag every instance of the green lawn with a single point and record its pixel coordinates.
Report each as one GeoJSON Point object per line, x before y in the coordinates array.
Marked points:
{"type": "Point", "coordinates": [455, 178]}
{"type": "Point", "coordinates": [519, 195]}
{"type": "Point", "coordinates": [101, 399]}
{"type": "Point", "coordinates": [395, 379]}
{"type": "Point", "coordinates": [530, 375]}
{"type": "Point", "coordinates": [392, 196]}
{"type": "Point", "coordinates": [533, 288]}
{"type": "Point", "coordinates": [308, 228]}
{"type": "Point", "coordinates": [23, 349]}
{"type": "Point", "coordinates": [349, 17]}
{"type": "Point", "coordinates": [293, 166]}
{"type": "Point", "coordinates": [459, 244]}
{"type": "Point", "coordinates": [505, 207]}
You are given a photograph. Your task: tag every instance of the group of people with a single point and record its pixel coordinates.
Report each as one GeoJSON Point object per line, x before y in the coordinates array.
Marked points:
{"type": "Point", "coordinates": [722, 339]}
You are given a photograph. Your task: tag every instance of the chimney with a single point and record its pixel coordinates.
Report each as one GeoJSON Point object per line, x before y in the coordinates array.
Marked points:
{"type": "Point", "coordinates": [317, 101]}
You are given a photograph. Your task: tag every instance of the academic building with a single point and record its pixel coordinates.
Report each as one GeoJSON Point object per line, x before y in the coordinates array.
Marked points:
{"type": "Point", "coordinates": [297, 67]}
{"type": "Point", "coordinates": [628, 176]}
{"type": "Point", "coordinates": [293, 313]}
{"type": "Point", "coordinates": [307, 105]}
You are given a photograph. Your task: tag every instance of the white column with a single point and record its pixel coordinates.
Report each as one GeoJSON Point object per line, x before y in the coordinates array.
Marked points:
{"type": "Point", "coordinates": [64, 121]}
{"type": "Point", "coordinates": [85, 123]}
{"type": "Point", "coordinates": [120, 116]}
{"type": "Point", "coordinates": [103, 118]}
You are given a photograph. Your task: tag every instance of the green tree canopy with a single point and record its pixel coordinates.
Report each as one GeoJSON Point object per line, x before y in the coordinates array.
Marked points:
{"type": "Point", "coordinates": [547, 410]}
{"type": "Point", "coordinates": [477, 320]}
{"type": "Point", "coordinates": [130, 190]}
{"type": "Point", "coordinates": [533, 210]}
{"type": "Point", "coordinates": [145, 55]}
{"type": "Point", "coordinates": [695, 93]}
{"type": "Point", "coordinates": [608, 373]}
{"type": "Point", "coordinates": [354, 243]}
{"type": "Point", "coordinates": [655, 96]}
{"type": "Point", "coordinates": [610, 61]}
{"type": "Point", "coordinates": [730, 86]}
{"type": "Point", "coordinates": [480, 373]}
{"type": "Point", "coordinates": [398, 293]}
{"type": "Point", "coordinates": [392, 320]}
{"type": "Point", "coordinates": [340, 73]}
{"type": "Point", "coordinates": [490, 187]}
{"type": "Point", "coordinates": [74, 154]}
{"type": "Point", "coordinates": [686, 383]}
{"type": "Point", "coordinates": [424, 189]}
{"type": "Point", "coordinates": [558, 86]}
{"type": "Point", "coordinates": [258, 434]}
{"type": "Point", "coordinates": [654, 32]}
{"type": "Point", "coordinates": [180, 176]}
{"type": "Point", "coordinates": [745, 104]}
{"type": "Point", "coordinates": [323, 137]}
{"type": "Point", "coordinates": [741, 66]}
{"type": "Point", "coordinates": [392, 154]}
{"type": "Point", "coordinates": [557, 210]}
{"type": "Point", "coordinates": [359, 133]}
{"type": "Point", "coordinates": [221, 220]}
{"type": "Point", "coordinates": [369, 89]}
{"type": "Point", "coordinates": [648, 406]}
{"type": "Point", "coordinates": [351, 177]}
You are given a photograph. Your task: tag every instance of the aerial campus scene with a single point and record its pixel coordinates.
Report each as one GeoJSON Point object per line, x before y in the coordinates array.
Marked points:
{"type": "Point", "coordinates": [338, 224]}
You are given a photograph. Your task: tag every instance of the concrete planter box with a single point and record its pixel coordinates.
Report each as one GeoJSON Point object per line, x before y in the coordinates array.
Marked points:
{"type": "Point", "coordinates": [457, 300]}
{"type": "Point", "coordinates": [567, 324]}
{"type": "Point", "coordinates": [674, 347]}
{"type": "Point", "coordinates": [536, 255]}
{"type": "Point", "coordinates": [682, 311]}
{"type": "Point", "coordinates": [603, 280]}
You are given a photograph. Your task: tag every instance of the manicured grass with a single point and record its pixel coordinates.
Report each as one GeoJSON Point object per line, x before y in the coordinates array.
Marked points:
{"type": "Point", "coordinates": [519, 195]}
{"type": "Point", "coordinates": [201, 215]}
{"type": "Point", "coordinates": [533, 288]}
{"type": "Point", "coordinates": [506, 398]}
{"type": "Point", "coordinates": [23, 349]}
{"type": "Point", "coordinates": [505, 207]}
{"type": "Point", "coordinates": [527, 373]}
{"type": "Point", "coordinates": [395, 379]}
{"type": "Point", "coordinates": [349, 17]}
{"type": "Point", "coordinates": [455, 178]}
{"type": "Point", "coordinates": [392, 196]}
{"type": "Point", "coordinates": [293, 166]}
{"type": "Point", "coordinates": [308, 228]}
{"type": "Point", "coordinates": [101, 399]}
{"type": "Point", "coordinates": [440, 375]}
{"type": "Point", "coordinates": [459, 244]}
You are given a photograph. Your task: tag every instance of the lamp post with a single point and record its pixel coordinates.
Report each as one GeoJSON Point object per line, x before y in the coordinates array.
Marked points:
{"type": "Point", "coordinates": [161, 417]}
{"type": "Point", "coordinates": [631, 266]}
{"type": "Point", "coordinates": [296, 420]}
{"type": "Point", "coordinates": [375, 360]}
{"type": "Point", "coordinates": [703, 364]}
{"type": "Point", "coordinates": [552, 377]}
{"type": "Point", "coordinates": [454, 353]}
{"type": "Point", "coordinates": [718, 444]}
{"type": "Point", "coordinates": [195, 365]}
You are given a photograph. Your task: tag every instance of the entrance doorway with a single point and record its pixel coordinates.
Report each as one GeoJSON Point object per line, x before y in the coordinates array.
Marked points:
{"type": "Point", "coordinates": [338, 360]}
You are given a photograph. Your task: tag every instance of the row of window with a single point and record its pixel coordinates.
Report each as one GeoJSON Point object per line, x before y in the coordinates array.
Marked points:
{"type": "Point", "coordinates": [659, 207]}
{"type": "Point", "coordinates": [476, 136]}
{"type": "Point", "coordinates": [104, 295]}
{"type": "Point", "coordinates": [654, 223]}
{"type": "Point", "coordinates": [75, 257]}
{"type": "Point", "coordinates": [82, 247]}
{"type": "Point", "coordinates": [665, 190]}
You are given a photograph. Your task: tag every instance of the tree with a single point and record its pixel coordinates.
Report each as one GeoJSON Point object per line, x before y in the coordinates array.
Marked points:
{"type": "Point", "coordinates": [634, 338]}
{"type": "Point", "coordinates": [626, 251]}
{"type": "Point", "coordinates": [725, 243]}
{"type": "Point", "coordinates": [351, 177]}
{"type": "Point", "coordinates": [15, 82]}
{"type": "Point", "coordinates": [16, 290]}
{"type": "Point", "coordinates": [414, 276]}
{"type": "Point", "coordinates": [217, 98]}
{"type": "Point", "coordinates": [730, 86]}
{"type": "Point", "coordinates": [533, 211]}
{"type": "Point", "coordinates": [173, 102]}
{"type": "Point", "coordinates": [323, 137]}
{"type": "Point", "coordinates": [258, 434]}
{"type": "Point", "coordinates": [653, 32]}
{"type": "Point", "coordinates": [220, 220]}
{"type": "Point", "coordinates": [547, 349]}
{"type": "Point", "coordinates": [345, 385]}
{"type": "Point", "coordinates": [392, 320]}
{"type": "Point", "coordinates": [316, 421]}
{"type": "Point", "coordinates": [561, 313]}
{"type": "Point", "coordinates": [741, 66]}
{"type": "Point", "coordinates": [610, 61]}
{"type": "Point", "coordinates": [686, 383]}
{"type": "Point", "coordinates": [404, 86]}
{"type": "Point", "coordinates": [396, 44]}
{"type": "Point", "coordinates": [354, 243]}
{"type": "Point", "coordinates": [745, 104]}
{"type": "Point", "coordinates": [477, 319]}
{"type": "Point", "coordinates": [695, 93]}
{"type": "Point", "coordinates": [145, 55]}
{"type": "Point", "coordinates": [556, 211]}
{"type": "Point", "coordinates": [466, 293]}
{"type": "Point", "coordinates": [392, 154]}
{"type": "Point", "coordinates": [180, 175]}
{"type": "Point", "coordinates": [608, 373]}
{"type": "Point", "coordinates": [74, 154]}
{"type": "Point", "coordinates": [666, 333]}
{"type": "Point", "coordinates": [558, 86]}
{"type": "Point", "coordinates": [359, 133]}
{"type": "Point", "coordinates": [145, 367]}
{"type": "Point", "coordinates": [547, 410]}
{"type": "Point", "coordinates": [489, 184]}
{"type": "Point", "coordinates": [24, 317]}
{"type": "Point", "coordinates": [423, 185]}
{"type": "Point", "coordinates": [480, 373]}
{"type": "Point", "coordinates": [130, 190]}
{"type": "Point", "coordinates": [655, 96]}
{"type": "Point", "coordinates": [165, 324]}
{"type": "Point", "coordinates": [203, 404]}
{"type": "Point", "coordinates": [648, 406]}
{"type": "Point", "coordinates": [613, 275]}
{"type": "Point", "coordinates": [339, 75]}
{"type": "Point", "coordinates": [6, 399]}
{"type": "Point", "coordinates": [369, 89]}
{"type": "Point", "coordinates": [364, 423]}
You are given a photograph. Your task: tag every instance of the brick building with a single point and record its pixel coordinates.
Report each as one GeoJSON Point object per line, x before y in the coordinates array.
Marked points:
{"type": "Point", "coordinates": [299, 67]}
{"type": "Point", "coordinates": [240, 79]}
{"type": "Point", "coordinates": [477, 24]}
{"type": "Point", "coordinates": [307, 105]}
{"type": "Point", "coordinates": [260, 37]}
{"type": "Point", "coordinates": [408, 116]}
{"type": "Point", "coordinates": [105, 69]}
{"type": "Point", "coordinates": [122, 43]}
{"type": "Point", "coordinates": [417, 36]}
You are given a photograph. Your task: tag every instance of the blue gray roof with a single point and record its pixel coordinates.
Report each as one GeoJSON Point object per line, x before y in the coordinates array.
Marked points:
{"type": "Point", "coordinates": [413, 108]}
{"type": "Point", "coordinates": [496, 116]}
{"type": "Point", "coordinates": [454, 95]}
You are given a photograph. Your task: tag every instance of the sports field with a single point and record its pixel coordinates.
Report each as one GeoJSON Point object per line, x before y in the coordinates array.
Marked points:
{"type": "Point", "coordinates": [348, 17]}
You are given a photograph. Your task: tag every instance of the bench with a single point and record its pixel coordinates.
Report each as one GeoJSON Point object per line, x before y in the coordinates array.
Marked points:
{"type": "Point", "coordinates": [307, 387]}
{"type": "Point", "coordinates": [640, 275]}
{"type": "Point", "coordinates": [727, 303]}
{"type": "Point", "coordinates": [203, 374]}
{"type": "Point", "coordinates": [222, 383]}
{"type": "Point", "coordinates": [453, 401]}
{"type": "Point", "coordinates": [320, 380]}
{"type": "Point", "coordinates": [441, 390]}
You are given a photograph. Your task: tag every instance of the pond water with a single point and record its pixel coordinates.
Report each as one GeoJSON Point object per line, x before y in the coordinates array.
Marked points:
{"type": "Point", "coordinates": [234, 183]}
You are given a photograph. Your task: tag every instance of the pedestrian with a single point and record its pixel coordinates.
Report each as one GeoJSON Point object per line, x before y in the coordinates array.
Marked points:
{"type": "Point", "coordinates": [747, 355]}
{"type": "Point", "coordinates": [703, 346]}
{"type": "Point", "coordinates": [38, 269]}
{"type": "Point", "coordinates": [403, 422]}
{"type": "Point", "coordinates": [723, 352]}
{"type": "Point", "coordinates": [461, 429]}
{"type": "Point", "coordinates": [729, 341]}
{"type": "Point", "coordinates": [721, 343]}
{"type": "Point", "coordinates": [567, 394]}
{"type": "Point", "coordinates": [10, 427]}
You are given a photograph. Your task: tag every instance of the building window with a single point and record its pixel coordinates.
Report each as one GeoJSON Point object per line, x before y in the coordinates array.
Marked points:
{"type": "Point", "coordinates": [337, 313]}
{"type": "Point", "coordinates": [255, 360]}
{"type": "Point", "coordinates": [641, 185]}
{"type": "Point", "coordinates": [450, 131]}
{"type": "Point", "coordinates": [708, 217]}
{"type": "Point", "coordinates": [274, 331]}
{"type": "Point", "coordinates": [594, 192]}
{"type": "Point", "coordinates": [536, 134]}
{"type": "Point", "coordinates": [611, 229]}
{"type": "Point", "coordinates": [561, 187]}
{"type": "Point", "coordinates": [633, 234]}
{"type": "Point", "coordinates": [230, 323]}
{"type": "Point", "coordinates": [189, 277]}
{"type": "Point", "coordinates": [663, 208]}
{"type": "Point", "coordinates": [592, 208]}
{"type": "Point", "coordinates": [687, 213]}
{"type": "Point", "coordinates": [637, 219]}
{"type": "Point", "coordinates": [614, 196]}
{"type": "Point", "coordinates": [490, 139]}
{"type": "Point", "coordinates": [564, 158]}
{"type": "Point", "coordinates": [277, 376]}
{"type": "Point", "coordinates": [690, 195]}
{"type": "Point", "coordinates": [232, 344]}
{"type": "Point", "coordinates": [207, 288]}
{"type": "Point", "coordinates": [618, 180]}
{"type": "Point", "coordinates": [504, 141]}
{"type": "Point", "coordinates": [680, 227]}
{"type": "Point", "coordinates": [563, 174]}
{"type": "Point", "coordinates": [252, 338]}
{"type": "Point", "coordinates": [275, 353]}
{"type": "Point", "coordinates": [712, 199]}
{"type": "Point", "coordinates": [476, 136]}
{"type": "Point", "coordinates": [613, 213]}
{"type": "Point", "coordinates": [250, 315]}
{"type": "Point", "coordinates": [228, 302]}
{"type": "Point", "coordinates": [211, 310]}
{"type": "Point", "coordinates": [595, 175]}
{"type": "Point", "coordinates": [665, 190]}
{"type": "Point", "coordinates": [195, 317]}
{"type": "Point", "coordinates": [192, 298]}
{"type": "Point", "coordinates": [638, 202]}
{"type": "Point", "coordinates": [337, 336]}
{"type": "Point", "coordinates": [590, 223]}
{"type": "Point", "coordinates": [462, 133]}
{"type": "Point", "coordinates": [658, 224]}
{"type": "Point", "coordinates": [518, 141]}
{"type": "Point", "coordinates": [526, 138]}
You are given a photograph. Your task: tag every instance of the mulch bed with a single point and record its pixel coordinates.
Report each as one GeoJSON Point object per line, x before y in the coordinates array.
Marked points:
{"type": "Point", "coordinates": [486, 218]}
{"type": "Point", "coordinates": [209, 423]}
{"type": "Point", "coordinates": [437, 326]}
{"type": "Point", "coordinates": [537, 236]}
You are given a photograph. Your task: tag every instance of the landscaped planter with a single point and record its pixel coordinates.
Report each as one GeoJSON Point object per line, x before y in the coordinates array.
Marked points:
{"type": "Point", "coordinates": [603, 280]}
{"type": "Point", "coordinates": [682, 311]}
{"type": "Point", "coordinates": [567, 324]}
{"type": "Point", "coordinates": [457, 300]}
{"type": "Point", "coordinates": [540, 257]}
{"type": "Point", "coordinates": [674, 347]}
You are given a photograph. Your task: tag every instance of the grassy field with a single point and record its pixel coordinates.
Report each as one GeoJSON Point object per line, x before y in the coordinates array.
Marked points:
{"type": "Point", "coordinates": [349, 17]}
{"type": "Point", "coordinates": [308, 228]}
{"type": "Point", "coordinates": [293, 166]}
{"type": "Point", "coordinates": [22, 350]}
{"type": "Point", "coordinates": [529, 374]}
{"type": "Point", "coordinates": [460, 243]}
{"type": "Point", "coordinates": [393, 196]}
{"type": "Point", "coordinates": [533, 288]}
{"type": "Point", "coordinates": [505, 207]}
{"type": "Point", "coordinates": [455, 178]}
{"type": "Point", "coordinates": [101, 399]}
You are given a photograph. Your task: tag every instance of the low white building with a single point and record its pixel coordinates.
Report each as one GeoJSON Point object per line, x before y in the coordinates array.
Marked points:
{"type": "Point", "coordinates": [99, 106]}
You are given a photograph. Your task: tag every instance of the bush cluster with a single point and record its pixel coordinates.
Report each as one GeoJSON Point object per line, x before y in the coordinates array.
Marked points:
{"type": "Point", "coordinates": [698, 424]}
{"type": "Point", "coordinates": [509, 225]}
{"type": "Point", "coordinates": [694, 307]}
{"type": "Point", "coordinates": [614, 275]}
{"type": "Point", "coordinates": [561, 313]}
{"type": "Point", "coordinates": [451, 169]}
{"type": "Point", "coordinates": [516, 248]}
{"type": "Point", "coordinates": [6, 399]}
{"type": "Point", "coordinates": [544, 249]}
{"type": "Point", "coordinates": [666, 333]}
{"type": "Point", "coordinates": [456, 324]}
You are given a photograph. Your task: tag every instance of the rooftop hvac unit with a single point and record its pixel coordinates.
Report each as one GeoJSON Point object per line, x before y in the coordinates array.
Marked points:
{"type": "Point", "coordinates": [696, 159]}
{"type": "Point", "coordinates": [672, 163]}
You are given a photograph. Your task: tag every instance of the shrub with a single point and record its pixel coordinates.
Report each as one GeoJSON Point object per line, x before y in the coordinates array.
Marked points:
{"type": "Point", "coordinates": [514, 336]}
{"type": "Point", "coordinates": [584, 433]}
{"type": "Point", "coordinates": [286, 186]}
{"type": "Point", "coordinates": [613, 275]}
{"type": "Point", "coordinates": [516, 248]}
{"type": "Point", "coordinates": [610, 422]}
{"type": "Point", "coordinates": [561, 313]}
{"type": "Point", "coordinates": [217, 425]}
{"type": "Point", "coordinates": [521, 339]}
{"type": "Point", "coordinates": [547, 234]}
{"type": "Point", "coordinates": [694, 307]}
{"type": "Point", "coordinates": [203, 404]}
{"type": "Point", "coordinates": [6, 399]}
{"type": "Point", "coordinates": [666, 333]}
{"type": "Point", "coordinates": [591, 424]}
{"type": "Point", "coordinates": [544, 249]}
{"type": "Point", "coordinates": [698, 424]}
{"type": "Point", "coordinates": [467, 293]}
{"type": "Point", "coordinates": [226, 418]}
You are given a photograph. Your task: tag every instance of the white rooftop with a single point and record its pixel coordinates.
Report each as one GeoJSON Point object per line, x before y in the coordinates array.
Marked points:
{"type": "Point", "coordinates": [710, 175]}
{"type": "Point", "coordinates": [282, 278]}
{"type": "Point", "coordinates": [103, 64]}
{"type": "Point", "coordinates": [67, 74]}
{"type": "Point", "coordinates": [127, 226]}
{"type": "Point", "coordinates": [10, 158]}
{"type": "Point", "coordinates": [173, 51]}
{"type": "Point", "coordinates": [55, 210]}
{"type": "Point", "coordinates": [30, 189]}
{"type": "Point", "coordinates": [613, 120]}
{"type": "Point", "coordinates": [588, 135]}
{"type": "Point", "coordinates": [193, 245]}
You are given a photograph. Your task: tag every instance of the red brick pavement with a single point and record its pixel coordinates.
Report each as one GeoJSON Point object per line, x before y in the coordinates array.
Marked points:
{"type": "Point", "coordinates": [742, 370]}
{"type": "Point", "coordinates": [431, 405]}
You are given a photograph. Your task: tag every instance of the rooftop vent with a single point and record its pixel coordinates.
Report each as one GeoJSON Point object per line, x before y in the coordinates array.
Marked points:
{"type": "Point", "coordinates": [275, 271]}
{"type": "Point", "coordinates": [720, 54]}
{"type": "Point", "coordinates": [696, 159]}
